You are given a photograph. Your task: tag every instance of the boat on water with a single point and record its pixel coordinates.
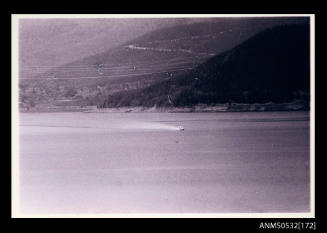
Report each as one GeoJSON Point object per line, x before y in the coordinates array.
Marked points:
{"type": "Point", "coordinates": [180, 128]}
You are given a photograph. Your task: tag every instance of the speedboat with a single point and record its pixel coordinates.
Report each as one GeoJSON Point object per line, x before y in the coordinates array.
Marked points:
{"type": "Point", "coordinates": [180, 128]}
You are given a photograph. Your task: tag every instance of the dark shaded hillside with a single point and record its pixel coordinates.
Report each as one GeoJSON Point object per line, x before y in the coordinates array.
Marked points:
{"type": "Point", "coordinates": [272, 66]}
{"type": "Point", "coordinates": [214, 37]}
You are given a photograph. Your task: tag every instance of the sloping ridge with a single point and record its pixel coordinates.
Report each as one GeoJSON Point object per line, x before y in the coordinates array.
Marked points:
{"type": "Point", "coordinates": [203, 39]}
{"type": "Point", "coordinates": [272, 66]}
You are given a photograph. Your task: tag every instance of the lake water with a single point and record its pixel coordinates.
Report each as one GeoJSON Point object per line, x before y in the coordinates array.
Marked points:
{"type": "Point", "coordinates": [141, 162]}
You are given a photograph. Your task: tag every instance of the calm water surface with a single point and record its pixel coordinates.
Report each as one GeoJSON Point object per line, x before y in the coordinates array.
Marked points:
{"type": "Point", "coordinates": [140, 162]}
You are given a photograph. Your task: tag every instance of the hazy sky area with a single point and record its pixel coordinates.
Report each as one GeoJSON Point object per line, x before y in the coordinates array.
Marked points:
{"type": "Point", "coordinates": [53, 42]}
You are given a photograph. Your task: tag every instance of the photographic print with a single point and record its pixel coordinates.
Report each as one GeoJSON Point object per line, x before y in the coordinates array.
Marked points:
{"type": "Point", "coordinates": [162, 115]}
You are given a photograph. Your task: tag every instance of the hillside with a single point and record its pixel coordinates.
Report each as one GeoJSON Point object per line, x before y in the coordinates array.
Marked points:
{"type": "Point", "coordinates": [156, 56]}
{"type": "Point", "coordinates": [272, 66]}
{"type": "Point", "coordinates": [187, 43]}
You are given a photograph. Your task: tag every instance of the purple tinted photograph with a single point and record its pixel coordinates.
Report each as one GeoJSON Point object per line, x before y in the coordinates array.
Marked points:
{"type": "Point", "coordinates": [167, 115]}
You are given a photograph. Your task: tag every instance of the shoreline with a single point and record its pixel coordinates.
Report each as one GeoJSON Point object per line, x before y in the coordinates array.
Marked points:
{"type": "Point", "coordinates": [234, 107]}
